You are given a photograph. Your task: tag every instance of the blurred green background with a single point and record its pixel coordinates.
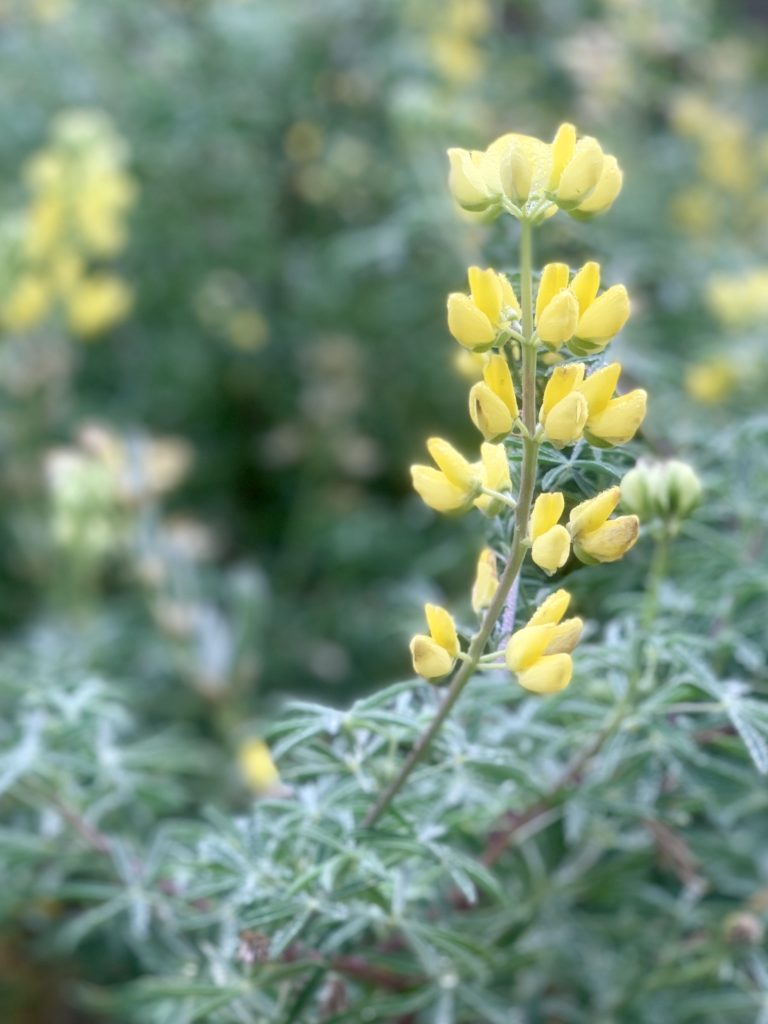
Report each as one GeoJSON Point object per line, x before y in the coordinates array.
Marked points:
{"type": "Point", "coordinates": [280, 242]}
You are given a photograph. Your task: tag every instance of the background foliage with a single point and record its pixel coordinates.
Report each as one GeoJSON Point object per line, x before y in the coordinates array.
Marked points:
{"type": "Point", "coordinates": [206, 508]}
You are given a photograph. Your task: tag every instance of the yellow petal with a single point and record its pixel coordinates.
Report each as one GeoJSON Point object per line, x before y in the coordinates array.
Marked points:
{"type": "Point", "coordinates": [599, 387]}
{"type": "Point", "coordinates": [486, 291]}
{"type": "Point", "coordinates": [621, 418]}
{"type": "Point", "coordinates": [486, 581]}
{"type": "Point", "coordinates": [562, 381]}
{"type": "Point", "coordinates": [498, 378]}
{"type": "Point", "coordinates": [554, 277]}
{"type": "Point", "coordinates": [586, 284]}
{"type": "Point", "coordinates": [466, 181]}
{"type": "Point", "coordinates": [489, 413]}
{"type": "Point", "coordinates": [430, 660]}
{"type": "Point", "coordinates": [538, 153]}
{"type": "Point", "coordinates": [609, 542]}
{"type": "Point", "coordinates": [495, 467]}
{"type": "Point", "coordinates": [549, 675]}
{"type": "Point", "coordinates": [526, 646]}
{"type": "Point", "coordinates": [509, 299]}
{"type": "Point", "coordinates": [563, 146]}
{"type": "Point", "coordinates": [551, 549]}
{"type": "Point", "coordinates": [592, 513]}
{"type": "Point", "coordinates": [581, 173]}
{"type": "Point", "coordinates": [606, 316]}
{"type": "Point", "coordinates": [606, 190]}
{"type": "Point", "coordinates": [468, 324]}
{"type": "Point", "coordinates": [515, 173]}
{"type": "Point", "coordinates": [551, 610]}
{"type": "Point", "coordinates": [558, 319]}
{"type": "Point", "coordinates": [442, 628]}
{"type": "Point", "coordinates": [435, 490]}
{"type": "Point", "coordinates": [565, 636]}
{"type": "Point", "coordinates": [547, 509]}
{"type": "Point", "coordinates": [456, 468]}
{"type": "Point", "coordinates": [565, 422]}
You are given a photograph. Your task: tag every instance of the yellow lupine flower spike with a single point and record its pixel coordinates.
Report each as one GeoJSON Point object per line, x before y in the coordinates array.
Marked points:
{"type": "Point", "coordinates": [550, 542]}
{"type": "Point", "coordinates": [564, 410]}
{"type": "Point", "coordinates": [596, 538]}
{"type": "Point", "coordinates": [486, 581]}
{"type": "Point", "coordinates": [557, 310]}
{"type": "Point", "coordinates": [434, 655]}
{"type": "Point", "coordinates": [453, 486]}
{"type": "Point", "coordinates": [492, 401]}
{"type": "Point", "coordinates": [540, 652]}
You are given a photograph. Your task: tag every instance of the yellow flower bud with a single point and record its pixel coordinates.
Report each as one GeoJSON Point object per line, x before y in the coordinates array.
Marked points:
{"type": "Point", "coordinates": [489, 413]}
{"type": "Point", "coordinates": [498, 378]}
{"type": "Point", "coordinates": [554, 278]}
{"type": "Point", "coordinates": [453, 486]}
{"type": "Point", "coordinates": [581, 174]}
{"type": "Point", "coordinates": [435, 655]}
{"type": "Point", "coordinates": [564, 424]}
{"type": "Point", "coordinates": [611, 421]}
{"type": "Point", "coordinates": [605, 192]}
{"type": "Point", "coordinates": [486, 292]}
{"type": "Point", "coordinates": [468, 324]}
{"type": "Point", "coordinates": [558, 319]}
{"type": "Point", "coordinates": [563, 146]}
{"type": "Point", "coordinates": [551, 543]}
{"type": "Point", "coordinates": [515, 174]}
{"type": "Point", "coordinates": [257, 767]}
{"type": "Point", "coordinates": [430, 660]}
{"type": "Point", "coordinates": [602, 320]}
{"type": "Point", "coordinates": [494, 474]}
{"type": "Point", "coordinates": [596, 538]}
{"type": "Point", "coordinates": [457, 469]}
{"type": "Point", "coordinates": [585, 285]}
{"type": "Point", "coordinates": [466, 181]}
{"type": "Point", "coordinates": [486, 581]}
{"type": "Point", "coordinates": [540, 652]}
{"type": "Point", "coordinates": [619, 421]}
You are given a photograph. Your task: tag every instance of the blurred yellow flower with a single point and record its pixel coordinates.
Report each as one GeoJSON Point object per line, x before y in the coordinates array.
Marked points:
{"type": "Point", "coordinates": [596, 538]}
{"type": "Point", "coordinates": [711, 381]}
{"type": "Point", "coordinates": [97, 303]}
{"type": "Point", "coordinates": [453, 486]}
{"type": "Point", "coordinates": [257, 767]}
{"type": "Point", "coordinates": [27, 303]}
{"type": "Point", "coordinates": [486, 581]}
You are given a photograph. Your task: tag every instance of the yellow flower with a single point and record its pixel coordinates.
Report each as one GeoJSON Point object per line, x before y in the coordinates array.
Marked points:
{"type": "Point", "coordinates": [257, 767]}
{"type": "Point", "coordinates": [596, 538]}
{"type": "Point", "coordinates": [564, 410]}
{"type": "Point", "coordinates": [557, 309]}
{"type": "Point", "coordinates": [712, 380]}
{"type": "Point", "coordinates": [486, 581]}
{"type": "Point", "coordinates": [475, 320]}
{"type": "Point", "coordinates": [27, 303]}
{"type": "Point", "coordinates": [97, 303]}
{"type": "Point", "coordinates": [453, 486]}
{"type": "Point", "coordinates": [540, 653]}
{"type": "Point", "coordinates": [492, 402]}
{"type": "Point", "coordinates": [550, 542]}
{"type": "Point", "coordinates": [583, 181]}
{"type": "Point", "coordinates": [611, 421]}
{"type": "Point", "coordinates": [494, 474]}
{"type": "Point", "coordinates": [600, 317]}
{"type": "Point", "coordinates": [435, 655]}
{"type": "Point", "coordinates": [572, 405]}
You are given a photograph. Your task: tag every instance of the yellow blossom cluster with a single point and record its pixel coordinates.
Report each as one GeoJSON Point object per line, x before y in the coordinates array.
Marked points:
{"type": "Point", "coordinates": [530, 178]}
{"type": "Point", "coordinates": [502, 331]}
{"type": "Point", "coordinates": [455, 44]}
{"type": "Point", "coordinates": [75, 221]}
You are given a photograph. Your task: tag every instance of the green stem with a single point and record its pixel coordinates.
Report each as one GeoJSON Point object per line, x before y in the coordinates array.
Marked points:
{"type": "Point", "coordinates": [656, 572]}
{"type": "Point", "coordinates": [517, 546]}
